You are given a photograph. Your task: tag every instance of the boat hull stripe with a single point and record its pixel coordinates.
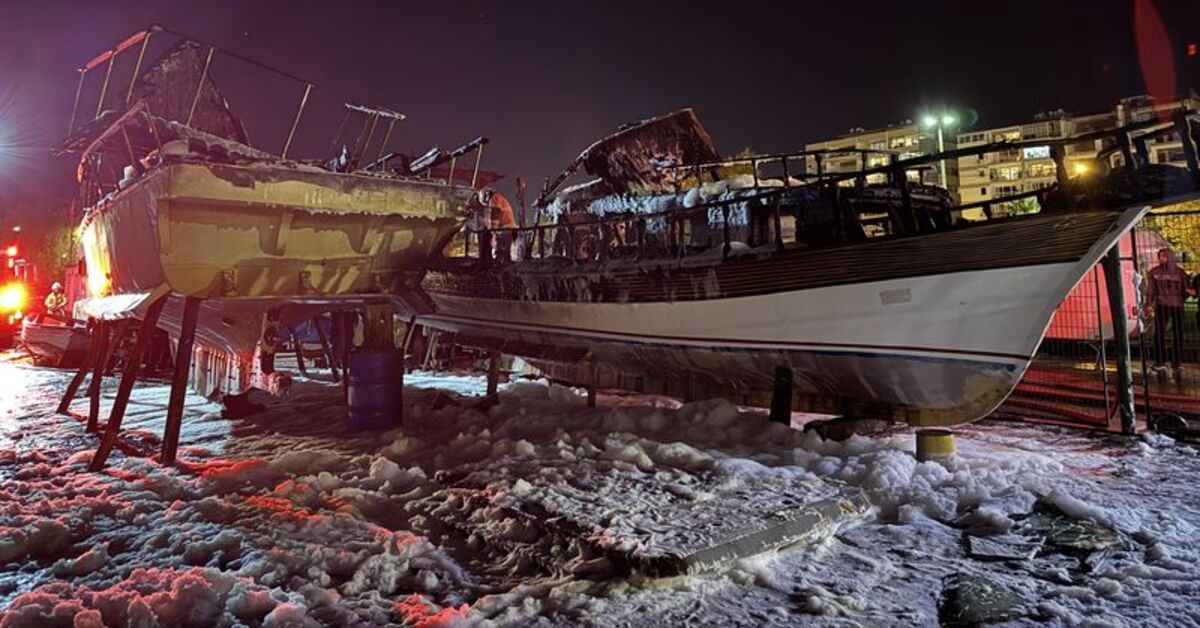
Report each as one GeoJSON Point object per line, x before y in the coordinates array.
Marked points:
{"type": "Point", "coordinates": [728, 342]}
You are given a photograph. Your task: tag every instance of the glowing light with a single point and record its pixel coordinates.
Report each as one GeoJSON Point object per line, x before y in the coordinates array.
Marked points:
{"type": "Point", "coordinates": [98, 285]}
{"type": "Point", "coordinates": [20, 132]}
{"type": "Point", "coordinates": [938, 119]}
{"type": "Point", "coordinates": [12, 298]}
{"type": "Point", "coordinates": [11, 251]}
{"type": "Point", "coordinates": [1081, 168]}
{"type": "Point", "coordinates": [98, 281]}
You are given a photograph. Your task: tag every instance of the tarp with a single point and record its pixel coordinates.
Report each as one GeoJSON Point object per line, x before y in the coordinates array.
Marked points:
{"type": "Point", "coordinates": [635, 157]}
{"type": "Point", "coordinates": [639, 157]}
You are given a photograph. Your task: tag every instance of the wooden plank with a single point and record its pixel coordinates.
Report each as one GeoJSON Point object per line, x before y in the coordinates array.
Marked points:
{"type": "Point", "coordinates": [132, 365]}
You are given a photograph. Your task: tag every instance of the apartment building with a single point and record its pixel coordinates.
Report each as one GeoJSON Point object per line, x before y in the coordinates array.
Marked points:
{"type": "Point", "coordinates": [977, 179]}
{"type": "Point", "coordinates": [901, 141]}
{"type": "Point", "coordinates": [1027, 169]}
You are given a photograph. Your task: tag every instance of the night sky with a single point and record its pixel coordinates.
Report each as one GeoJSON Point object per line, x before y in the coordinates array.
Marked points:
{"type": "Point", "coordinates": [543, 79]}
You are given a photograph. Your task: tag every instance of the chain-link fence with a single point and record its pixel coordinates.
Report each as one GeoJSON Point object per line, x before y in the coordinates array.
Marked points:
{"type": "Point", "coordinates": [1073, 379]}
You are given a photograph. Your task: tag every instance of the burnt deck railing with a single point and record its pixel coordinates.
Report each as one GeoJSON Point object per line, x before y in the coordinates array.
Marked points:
{"type": "Point", "coordinates": [679, 232]}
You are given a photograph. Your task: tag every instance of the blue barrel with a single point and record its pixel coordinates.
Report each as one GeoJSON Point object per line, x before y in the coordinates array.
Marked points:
{"type": "Point", "coordinates": [375, 392]}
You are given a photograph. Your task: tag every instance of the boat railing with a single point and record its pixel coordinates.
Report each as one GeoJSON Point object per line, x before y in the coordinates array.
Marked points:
{"type": "Point", "coordinates": [762, 221]}
{"type": "Point", "coordinates": [789, 175]}
{"type": "Point", "coordinates": [677, 232]}
{"type": "Point", "coordinates": [132, 133]}
{"type": "Point", "coordinates": [141, 41]}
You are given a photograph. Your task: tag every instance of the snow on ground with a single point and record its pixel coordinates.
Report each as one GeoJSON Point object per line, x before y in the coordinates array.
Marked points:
{"type": "Point", "coordinates": [510, 510]}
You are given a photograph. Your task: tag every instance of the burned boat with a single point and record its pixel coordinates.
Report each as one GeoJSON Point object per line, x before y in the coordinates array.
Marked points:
{"type": "Point", "coordinates": [53, 342]}
{"type": "Point", "coordinates": [185, 222]}
{"type": "Point", "coordinates": [674, 271]}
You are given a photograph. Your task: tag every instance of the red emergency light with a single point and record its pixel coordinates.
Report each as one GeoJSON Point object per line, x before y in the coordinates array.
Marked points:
{"type": "Point", "coordinates": [13, 298]}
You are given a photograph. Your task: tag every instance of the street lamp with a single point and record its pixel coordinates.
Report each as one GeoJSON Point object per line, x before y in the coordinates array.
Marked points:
{"type": "Point", "coordinates": [941, 122]}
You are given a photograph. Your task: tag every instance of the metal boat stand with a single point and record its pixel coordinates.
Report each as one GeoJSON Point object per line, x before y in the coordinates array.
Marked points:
{"type": "Point", "coordinates": [133, 365]}
{"type": "Point", "coordinates": [179, 379]}
{"type": "Point", "coordinates": [64, 406]}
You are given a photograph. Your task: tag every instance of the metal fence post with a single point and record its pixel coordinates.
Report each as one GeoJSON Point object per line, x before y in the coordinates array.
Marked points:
{"type": "Point", "coordinates": [1137, 268]}
{"type": "Point", "coordinates": [1116, 305]}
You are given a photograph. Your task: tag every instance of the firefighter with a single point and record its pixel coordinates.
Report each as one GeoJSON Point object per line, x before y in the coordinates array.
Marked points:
{"type": "Point", "coordinates": [56, 301]}
{"type": "Point", "coordinates": [498, 215]}
{"type": "Point", "coordinates": [500, 210]}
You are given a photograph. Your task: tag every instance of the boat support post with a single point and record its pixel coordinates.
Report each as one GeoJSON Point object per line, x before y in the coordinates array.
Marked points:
{"type": "Point", "coordinates": [593, 377]}
{"type": "Point", "coordinates": [345, 325]}
{"type": "Point", "coordinates": [781, 396]}
{"type": "Point", "coordinates": [179, 379]}
{"type": "Point", "coordinates": [101, 333]}
{"type": "Point", "coordinates": [64, 405]}
{"type": "Point", "coordinates": [493, 376]}
{"type": "Point", "coordinates": [1116, 305]}
{"type": "Point", "coordinates": [133, 365]}
{"type": "Point", "coordinates": [409, 330]}
{"type": "Point", "coordinates": [316, 322]}
{"type": "Point", "coordinates": [299, 351]}
{"type": "Point", "coordinates": [115, 335]}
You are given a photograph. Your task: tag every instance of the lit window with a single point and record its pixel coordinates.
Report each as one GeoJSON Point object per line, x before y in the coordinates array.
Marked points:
{"type": "Point", "coordinates": [1041, 169]}
{"type": "Point", "coordinates": [1008, 173]}
{"type": "Point", "coordinates": [1036, 152]}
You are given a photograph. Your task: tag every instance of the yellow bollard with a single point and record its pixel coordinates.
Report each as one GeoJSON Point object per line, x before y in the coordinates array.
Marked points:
{"type": "Point", "coordinates": [934, 444]}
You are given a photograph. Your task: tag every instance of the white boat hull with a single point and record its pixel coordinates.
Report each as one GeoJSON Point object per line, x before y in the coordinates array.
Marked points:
{"type": "Point", "coordinates": [933, 349]}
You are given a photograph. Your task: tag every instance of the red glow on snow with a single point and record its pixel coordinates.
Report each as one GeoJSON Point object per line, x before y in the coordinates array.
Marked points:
{"type": "Point", "coordinates": [281, 507]}
{"type": "Point", "coordinates": [225, 466]}
{"type": "Point", "coordinates": [124, 474]}
{"type": "Point", "coordinates": [415, 611]}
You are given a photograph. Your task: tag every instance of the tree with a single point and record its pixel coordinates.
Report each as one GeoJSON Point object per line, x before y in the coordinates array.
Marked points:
{"type": "Point", "coordinates": [1024, 206]}
{"type": "Point", "coordinates": [1182, 230]}
{"type": "Point", "coordinates": [56, 251]}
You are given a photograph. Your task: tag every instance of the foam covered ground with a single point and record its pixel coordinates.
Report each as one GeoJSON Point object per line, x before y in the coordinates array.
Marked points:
{"type": "Point", "coordinates": [285, 519]}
